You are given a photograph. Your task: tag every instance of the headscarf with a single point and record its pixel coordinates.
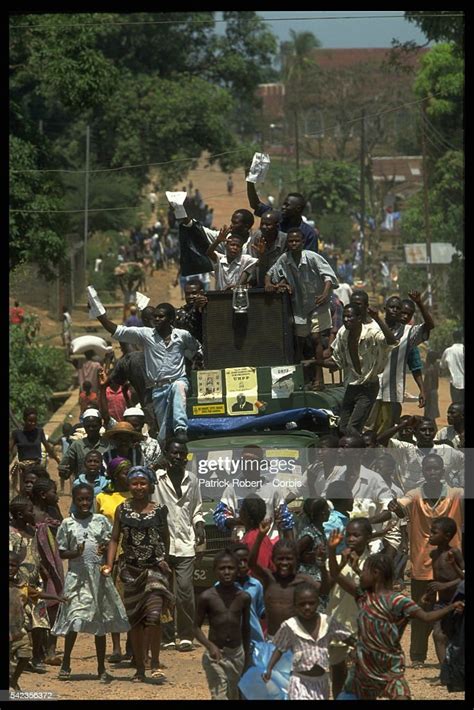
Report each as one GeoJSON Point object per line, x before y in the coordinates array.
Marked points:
{"type": "Point", "coordinates": [116, 465]}
{"type": "Point", "coordinates": [143, 471]}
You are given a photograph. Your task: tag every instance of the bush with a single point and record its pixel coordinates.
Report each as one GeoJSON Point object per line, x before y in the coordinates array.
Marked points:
{"type": "Point", "coordinates": [36, 371]}
{"type": "Point", "coordinates": [441, 337]}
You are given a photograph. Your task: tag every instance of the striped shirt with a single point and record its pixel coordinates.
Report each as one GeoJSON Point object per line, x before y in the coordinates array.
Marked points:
{"type": "Point", "coordinates": [307, 651]}
{"type": "Point", "coordinates": [392, 379]}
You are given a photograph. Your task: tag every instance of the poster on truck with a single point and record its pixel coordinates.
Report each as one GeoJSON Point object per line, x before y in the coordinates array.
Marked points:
{"type": "Point", "coordinates": [241, 390]}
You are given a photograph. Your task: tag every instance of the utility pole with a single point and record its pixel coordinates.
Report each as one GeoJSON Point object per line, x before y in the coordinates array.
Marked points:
{"type": "Point", "coordinates": [86, 202]}
{"type": "Point", "coordinates": [426, 205]}
{"type": "Point", "coordinates": [297, 151]}
{"type": "Point", "coordinates": [362, 194]}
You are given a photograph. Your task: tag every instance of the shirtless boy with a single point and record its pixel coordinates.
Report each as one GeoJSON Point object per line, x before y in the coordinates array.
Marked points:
{"type": "Point", "coordinates": [228, 647]}
{"type": "Point", "coordinates": [447, 563]}
{"type": "Point", "coordinates": [279, 586]}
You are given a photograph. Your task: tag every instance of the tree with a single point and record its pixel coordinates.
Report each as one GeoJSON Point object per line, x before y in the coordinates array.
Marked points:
{"type": "Point", "coordinates": [440, 25]}
{"type": "Point", "coordinates": [331, 186]}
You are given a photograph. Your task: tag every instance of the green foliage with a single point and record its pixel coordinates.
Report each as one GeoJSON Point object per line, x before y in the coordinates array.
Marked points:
{"type": "Point", "coordinates": [331, 186]}
{"type": "Point", "coordinates": [34, 236]}
{"type": "Point", "coordinates": [35, 371]}
{"type": "Point", "coordinates": [441, 79]}
{"type": "Point", "coordinates": [441, 337]}
{"type": "Point", "coordinates": [335, 228]}
{"type": "Point", "coordinates": [439, 28]}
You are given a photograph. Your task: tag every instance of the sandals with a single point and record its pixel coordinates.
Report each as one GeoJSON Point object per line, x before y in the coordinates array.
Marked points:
{"type": "Point", "coordinates": [157, 674]}
{"type": "Point", "coordinates": [64, 674]}
{"type": "Point", "coordinates": [105, 677]}
{"type": "Point", "coordinates": [116, 658]}
{"type": "Point", "coordinates": [139, 678]}
{"type": "Point", "coordinates": [418, 664]}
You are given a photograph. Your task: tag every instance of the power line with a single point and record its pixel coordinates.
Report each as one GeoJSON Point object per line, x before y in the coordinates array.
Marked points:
{"type": "Point", "coordinates": [436, 134]}
{"type": "Point", "coordinates": [263, 19]}
{"type": "Point", "coordinates": [116, 209]}
{"type": "Point", "coordinates": [213, 155]}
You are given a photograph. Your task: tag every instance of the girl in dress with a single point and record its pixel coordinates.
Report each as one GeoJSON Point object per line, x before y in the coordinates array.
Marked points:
{"type": "Point", "coordinates": [94, 604]}
{"type": "Point", "coordinates": [379, 668]}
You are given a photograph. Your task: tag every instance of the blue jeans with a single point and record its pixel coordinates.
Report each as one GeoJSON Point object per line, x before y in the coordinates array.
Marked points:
{"type": "Point", "coordinates": [169, 405]}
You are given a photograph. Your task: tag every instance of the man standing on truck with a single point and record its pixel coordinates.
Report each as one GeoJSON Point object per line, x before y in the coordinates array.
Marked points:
{"type": "Point", "coordinates": [250, 481]}
{"type": "Point", "coordinates": [165, 348]}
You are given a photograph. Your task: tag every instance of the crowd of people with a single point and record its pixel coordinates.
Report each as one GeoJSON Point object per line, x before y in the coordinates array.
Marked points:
{"type": "Point", "coordinates": [319, 579]}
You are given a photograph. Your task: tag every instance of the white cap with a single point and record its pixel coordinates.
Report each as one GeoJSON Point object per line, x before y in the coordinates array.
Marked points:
{"type": "Point", "coordinates": [92, 413]}
{"type": "Point", "coordinates": [134, 412]}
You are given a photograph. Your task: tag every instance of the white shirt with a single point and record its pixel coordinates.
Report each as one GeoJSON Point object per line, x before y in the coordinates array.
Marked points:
{"type": "Point", "coordinates": [373, 352]}
{"type": "Point", "coordinates": [453, 360]}
{"type": "Point", "coordinates": [343, 292]}
{"type": "Point", "coordinates": [229, 273]}
{"type": "Point", "coordinates": [449, 433]}
{"type": "Point", "coordinates": [183, 513]}
{"type": "Point", "coordinates": [410, 464]}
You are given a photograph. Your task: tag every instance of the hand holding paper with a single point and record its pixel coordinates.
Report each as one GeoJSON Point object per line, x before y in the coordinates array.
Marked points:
{"type": "Point", "coordinates": [142, 300]}
{"type": "Point", "coordinates": [259, 168]}
{"type": "Point", "coordinates": [176, 200]}
{"type": "Point", "coordinates": [96, 307]}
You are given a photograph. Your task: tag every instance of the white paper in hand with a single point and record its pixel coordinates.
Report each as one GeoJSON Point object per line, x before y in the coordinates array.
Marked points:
{"type": "Point", "coordinates": [259, 168]}
{"type": "Point", "coordinates": [141, 300]}
{"type": "Point", "coordinates": [176, 200]}
{"type": "Point", "coordinates": [96, 307]}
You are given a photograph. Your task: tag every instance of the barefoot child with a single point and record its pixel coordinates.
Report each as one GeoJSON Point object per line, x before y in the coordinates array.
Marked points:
{"type": "Point", "coordinates": [94, 605]}
{"type": "Point", "coordinates": [342, 605]}
{"type": "Point", "coordinates": [445, 576]}
{"type": "Point", "coordinates": [228, 647]}
{"type": "Point", "coordinates": [279, 585]}
{"type": "Point", "coordinates": [308, 635]}
{"type": "Point", "coordinates": [379, 668]}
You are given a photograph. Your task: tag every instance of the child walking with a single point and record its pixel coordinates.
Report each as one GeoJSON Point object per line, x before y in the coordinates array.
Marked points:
{"type": "Point", "coordinates": [446, 575]}
{"type": "Point", "coordinates": [379, 668]}
{"type": "Point", "coordinates": [308, 635]}
{"type": "Point", "coordinates": [94, 604]}
{"type": "Point", "coordinates": [227, 608]}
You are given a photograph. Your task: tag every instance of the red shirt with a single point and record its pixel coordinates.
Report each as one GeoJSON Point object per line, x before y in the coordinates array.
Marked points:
{"type": "Point", "coordinates": [85, 400]}
{"type": "Point", "coordinates": [264, 558]}
{"type": "Point", "coordinates": [17, 315]}
{"type": "Point", "coordinates": [116, 403]}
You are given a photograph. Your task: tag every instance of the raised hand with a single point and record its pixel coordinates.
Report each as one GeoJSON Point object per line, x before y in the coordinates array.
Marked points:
{"type": "Point", "coordinates": [373, 312]}
{"type": "Point", "coordinates": [458, 607]}
{"type": "Point", "coordinates": [335, 538]}
{"type": "Point", "coordinates": [223, 232]}
{"type": "Point", "coordinates": [415, 297]}
{"type": "Point", "coordinates": [265, 526]}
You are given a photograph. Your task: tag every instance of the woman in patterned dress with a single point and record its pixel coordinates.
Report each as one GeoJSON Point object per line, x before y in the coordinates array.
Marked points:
{"type": "Point", "coordinates": [379, 668]}
{"type": "Point", "coordinates": [142, 566]}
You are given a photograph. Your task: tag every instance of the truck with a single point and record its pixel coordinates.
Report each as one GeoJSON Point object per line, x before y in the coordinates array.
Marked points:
{"type": "Point", "coordinates": [251, 392]}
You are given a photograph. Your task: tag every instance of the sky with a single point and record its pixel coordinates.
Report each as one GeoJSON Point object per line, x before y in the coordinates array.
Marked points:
{"type": "Point", "coordinates": [342, 33]}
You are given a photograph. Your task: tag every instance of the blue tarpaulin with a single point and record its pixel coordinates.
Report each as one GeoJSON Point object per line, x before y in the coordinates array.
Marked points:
{"type": "Point", "coordinates": [209, 425]}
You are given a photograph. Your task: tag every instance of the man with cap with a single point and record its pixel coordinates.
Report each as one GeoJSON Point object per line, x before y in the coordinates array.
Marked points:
{"type": "Point", "coordinates": [73, 460]}
{"type": "Point", "coordinates": [165, 349]}
{"type": "Point", "coordinates": [150, 447]}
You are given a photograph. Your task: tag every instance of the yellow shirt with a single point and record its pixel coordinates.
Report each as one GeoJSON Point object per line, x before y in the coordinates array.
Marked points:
{"type": "Point", "coordinates": [107, 503]}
